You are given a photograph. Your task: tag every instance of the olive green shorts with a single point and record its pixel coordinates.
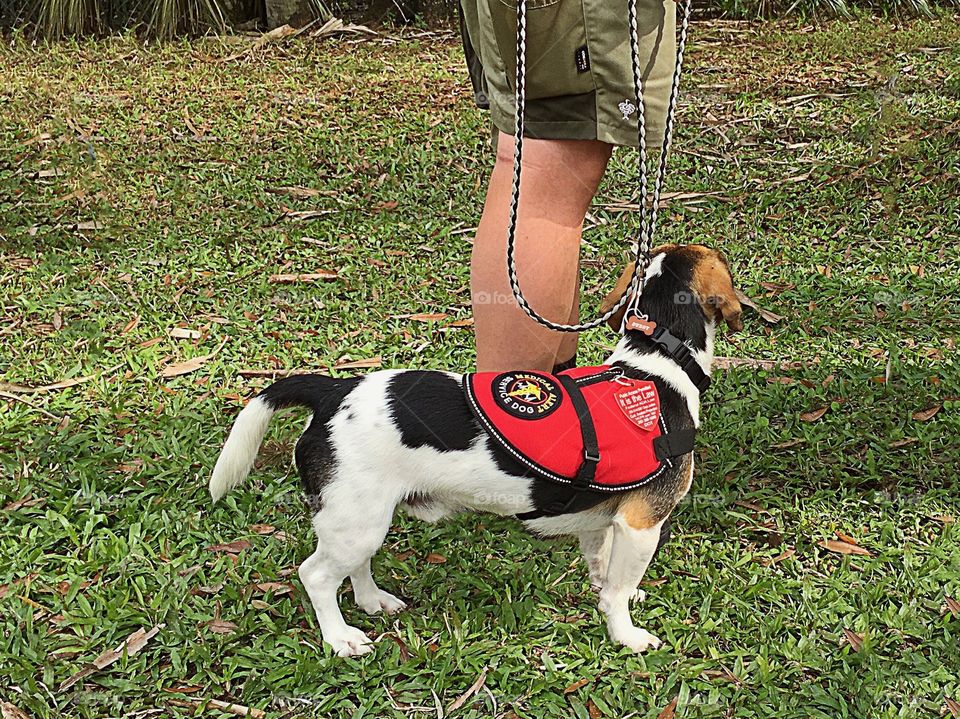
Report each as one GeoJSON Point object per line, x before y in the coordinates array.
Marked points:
{"type": "Point", "coordinates": [579, 73]}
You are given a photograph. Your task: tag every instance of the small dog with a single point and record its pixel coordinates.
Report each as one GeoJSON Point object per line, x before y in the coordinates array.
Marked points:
{"type": "Point", "coordinates": [413, 438]}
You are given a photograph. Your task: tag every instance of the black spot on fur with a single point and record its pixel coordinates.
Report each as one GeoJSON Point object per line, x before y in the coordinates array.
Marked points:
{"type": "Point", "coordinates": [668, 300]}
{"type": "Point", "coordinates": [315, 460]}
{"type": "Point", "coordinates": [322, 394]}
{"type": "Point", "coordinates": [314, 453]}
{"type": "Point", "coordinates": [430, 410]}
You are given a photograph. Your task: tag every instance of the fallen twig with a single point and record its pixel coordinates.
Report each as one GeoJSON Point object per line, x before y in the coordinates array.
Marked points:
{"type": "Point", "coordinates": [62, 384]}
{"type": "Point", "coordinates": [730, 362]}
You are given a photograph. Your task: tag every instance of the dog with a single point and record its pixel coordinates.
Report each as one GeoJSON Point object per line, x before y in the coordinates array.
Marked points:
{"type": "Point", "coordinates": [411, 438]}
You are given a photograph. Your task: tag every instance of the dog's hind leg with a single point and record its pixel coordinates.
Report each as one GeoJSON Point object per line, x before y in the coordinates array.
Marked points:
{"type": "Point", "coordinates": [345, 541]}
{"type": "Point", "coordinates": [595, 546]}
{"type": "Point", "coordinates": [369, 597]}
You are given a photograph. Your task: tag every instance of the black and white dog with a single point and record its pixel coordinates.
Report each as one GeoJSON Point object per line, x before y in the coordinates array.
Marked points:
{"type": "Point", "coordinates": [409, 437]}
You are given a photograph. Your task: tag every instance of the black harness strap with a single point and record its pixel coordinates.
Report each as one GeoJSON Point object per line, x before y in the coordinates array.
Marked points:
{"type": "Point", "coordinates": [680, 352]}
{"type": "Point", "coordinates": [674, 444]}
{"type": "Point", "coordinates": [591, 448]}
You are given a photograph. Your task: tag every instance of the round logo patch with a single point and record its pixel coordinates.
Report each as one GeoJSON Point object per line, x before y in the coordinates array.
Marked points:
{"type": "Point", "coordinates": [526, 395]}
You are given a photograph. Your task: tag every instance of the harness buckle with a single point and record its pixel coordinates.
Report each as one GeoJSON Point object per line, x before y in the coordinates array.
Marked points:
{"type": "Point", "coordinates": [590, 458]}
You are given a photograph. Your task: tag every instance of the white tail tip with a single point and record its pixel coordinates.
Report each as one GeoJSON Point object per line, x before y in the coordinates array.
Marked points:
{"type": "Point", "coordinates": [240, 450]}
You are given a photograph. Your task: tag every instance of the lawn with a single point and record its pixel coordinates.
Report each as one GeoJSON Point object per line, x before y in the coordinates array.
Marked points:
{"type": "Point", "coordinates": [150, 196]}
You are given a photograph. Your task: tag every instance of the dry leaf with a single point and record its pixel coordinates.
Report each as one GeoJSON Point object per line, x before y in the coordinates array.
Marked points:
{"type": "Point", "coordinates": [952, 605]}
{"type": "Point", "coordinates": [278, 33]}
{"type": "Point", "coordinates": [669, 711]}
{"type": "Point", "coordinates": [952, 706]}
{"type": "Point", "coordinates": [844, 548]}
{"type": "Point", "coordinates": [236, 709]}
{"type": "Point", "coordinates": [906, 442]}
{"type": "Point", "coordinates": [928, 413]}
{"type": "Point", "coordinates": [278, 588]}
{"type": "Point", "coordinates": [230, 547]}
{"type": "Point", "coordinates": [191, 365]}
{"type": "Point", "coordinates": [88, 226]}
{"type": "Point", "coordinates": [130, 325]}
{"type": "Point", "coordinates": [593, 710]}
{"type": "Point", "coordinates": [474, 688]}
{"type": "Point", "coordinates": [130, 646]}
{"type": "Point", "coordinates": [404, 649]}
{"type": "Point", "coordinates": [182, 333]}
{"type": "Point", "coordinates": [262, 528]}
{"type": "Point", "coordinates": [766, 315]}
{"type": "Point", "coordinates": [462, 323]}
{"type": "Point", "coordinates": [855, 640]}
{"type": "Point", "coordinates": [298, 192]}
{"type": "Point", "coordinates": [286, 278]}
{"type": "Point", "coordinates": [813, 415]}
{"type": "Point", "coordinates": [427, 317]}
{"type": "Point", "coordinates": [846, 538]}
{"type": "Point", "coordinates": [9, 711]}
{"type": "Point", "coordinates": [62, 384]}
{"type": "Point", "coordinates": [370, 362]}
{"type": "Point", "coordinates": [785, 554]}
{"type": "Point", "coordinates": [221, 626]}
{"type": "Point", "coordinates": [576, 685]}
{"type": "Point", "coordinates": [27, 501]}
{"type": "Point", "coordinates": [433, 558]}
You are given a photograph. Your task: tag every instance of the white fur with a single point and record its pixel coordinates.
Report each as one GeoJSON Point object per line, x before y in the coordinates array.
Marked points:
{"type": "Point", "coordinates": [374, 471]}
{"type": "Point", "coordinates": [240, 450]}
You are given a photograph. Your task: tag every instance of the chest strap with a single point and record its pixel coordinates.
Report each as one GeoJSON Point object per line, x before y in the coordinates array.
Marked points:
{"type": "Point", "coordinates": [591, 449]}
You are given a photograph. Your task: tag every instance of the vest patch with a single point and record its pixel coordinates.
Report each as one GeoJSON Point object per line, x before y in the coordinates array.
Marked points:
{"type": "Point", "coordinates": [526, 395]}
{"type": "Point", "coordinates": [542, 420]}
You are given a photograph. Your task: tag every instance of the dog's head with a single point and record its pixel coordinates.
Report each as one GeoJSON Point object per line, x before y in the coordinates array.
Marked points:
{"type": "Point", "coordinates": [680, 278]}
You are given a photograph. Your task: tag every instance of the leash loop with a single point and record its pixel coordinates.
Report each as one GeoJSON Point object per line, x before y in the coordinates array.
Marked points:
{"type": "Point", "coordinates": [648, 205]}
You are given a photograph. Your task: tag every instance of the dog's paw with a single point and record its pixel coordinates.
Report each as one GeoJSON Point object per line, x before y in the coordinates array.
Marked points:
{"type": "Point", "coordinates": [639, 596]}
{"type": "Point", "coordinates": [639, 640]}
{"type": "Point", "coordinates": [350, 642]}
{"type": "Point", "coordinates": [381, 602]}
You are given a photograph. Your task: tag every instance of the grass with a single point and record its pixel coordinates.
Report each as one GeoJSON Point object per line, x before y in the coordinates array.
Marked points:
{"type": "Point", "coordinates": [139, 192]}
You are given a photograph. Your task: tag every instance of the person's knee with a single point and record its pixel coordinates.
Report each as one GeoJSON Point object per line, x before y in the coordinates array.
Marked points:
{"type": "Point", "coordinates": [585, 160]}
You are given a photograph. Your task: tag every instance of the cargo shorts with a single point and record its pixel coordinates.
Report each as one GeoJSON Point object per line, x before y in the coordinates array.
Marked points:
{"type": "Point", "coordinates": [579, 74]}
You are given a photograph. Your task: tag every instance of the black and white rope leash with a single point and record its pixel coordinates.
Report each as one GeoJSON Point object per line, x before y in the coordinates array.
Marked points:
{"type": "Point", "coordinates": [648, 205]}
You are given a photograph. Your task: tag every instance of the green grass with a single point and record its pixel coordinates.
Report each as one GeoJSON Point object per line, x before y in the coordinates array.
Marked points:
{"type": "Point", "coordinates": [138, 194]}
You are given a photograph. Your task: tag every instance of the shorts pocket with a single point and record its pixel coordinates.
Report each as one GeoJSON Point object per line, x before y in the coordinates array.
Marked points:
{"type": "Point", "coordinates": [555, 36]}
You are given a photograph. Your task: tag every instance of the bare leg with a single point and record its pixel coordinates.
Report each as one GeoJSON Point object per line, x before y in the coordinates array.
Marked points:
{"type": "Point", "coordinates": [630, 555]}
{"type": "Point", "coordinates": [559, 180]}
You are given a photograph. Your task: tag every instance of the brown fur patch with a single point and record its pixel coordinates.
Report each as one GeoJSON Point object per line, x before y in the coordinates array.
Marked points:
{"type": "Point", "coordinates": [638, 511]}
{"type": "Point", "coordinates": [713, 287]}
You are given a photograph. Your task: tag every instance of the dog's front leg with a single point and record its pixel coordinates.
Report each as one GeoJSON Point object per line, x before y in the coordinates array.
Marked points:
{"type": "Point", "coordinates": [630, 553]}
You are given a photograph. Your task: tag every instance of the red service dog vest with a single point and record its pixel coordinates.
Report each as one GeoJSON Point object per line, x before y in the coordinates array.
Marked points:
{"type": "Point", "coordinates": [590, 427]}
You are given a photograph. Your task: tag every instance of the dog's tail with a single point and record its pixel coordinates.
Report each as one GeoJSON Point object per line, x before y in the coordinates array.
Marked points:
{"type": "Point", "coordinates": [240, 450]}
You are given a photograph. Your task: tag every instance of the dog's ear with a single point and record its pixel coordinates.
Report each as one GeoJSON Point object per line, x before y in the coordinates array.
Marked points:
{"type": "Point", "coordinates": [611, 299]}
{"type": "Point", "coordinates": [713, 285]}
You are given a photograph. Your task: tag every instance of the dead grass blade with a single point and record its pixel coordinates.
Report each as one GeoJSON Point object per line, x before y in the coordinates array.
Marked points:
{"type": "Point", "coordinates": [474, 688]}
{"type": "Point", "coordinates": [130, 646]}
